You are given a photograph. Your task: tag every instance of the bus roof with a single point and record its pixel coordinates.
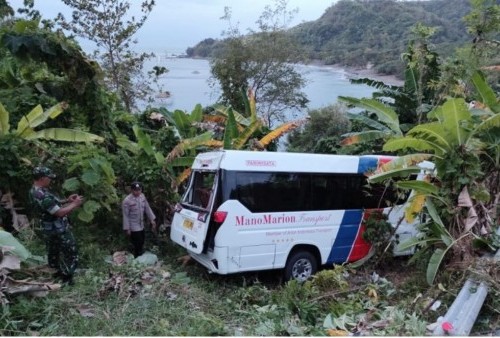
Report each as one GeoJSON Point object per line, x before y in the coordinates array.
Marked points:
{"type": "Point", "coordinates": [242, 160]}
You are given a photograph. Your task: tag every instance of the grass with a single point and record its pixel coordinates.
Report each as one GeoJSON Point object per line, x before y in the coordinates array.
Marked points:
{"type": "Point", "coordinates": [169, 299]}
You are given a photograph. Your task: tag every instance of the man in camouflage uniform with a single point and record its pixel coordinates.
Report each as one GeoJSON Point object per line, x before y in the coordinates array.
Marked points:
{"type": "Point", "coordinates": [62, 254]}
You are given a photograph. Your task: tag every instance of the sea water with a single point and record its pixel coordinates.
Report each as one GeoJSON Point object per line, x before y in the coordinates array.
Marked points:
{"type": "Point", "coordinates": [188, 83]}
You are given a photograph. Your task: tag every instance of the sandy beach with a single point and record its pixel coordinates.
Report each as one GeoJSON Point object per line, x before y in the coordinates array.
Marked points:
{"type": "Point", "coordinates": [369, 73]}
{"type": "Point", "coordinates": [360, 73]}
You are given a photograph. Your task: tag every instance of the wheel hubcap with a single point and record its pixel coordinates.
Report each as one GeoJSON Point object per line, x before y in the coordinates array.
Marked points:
{"type": "Point", "coordinates": [302, 270]}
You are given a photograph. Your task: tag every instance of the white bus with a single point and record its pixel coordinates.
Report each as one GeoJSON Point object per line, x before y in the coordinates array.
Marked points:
{"type": "Point", "coordinates": [250, 211]}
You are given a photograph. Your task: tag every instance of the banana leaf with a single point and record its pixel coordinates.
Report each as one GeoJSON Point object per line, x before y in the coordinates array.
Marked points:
{"type": "Point", "coordinates": [363, 137]}
{"type": "Point", "coordinates": [487, 94]}
{"type": "Point", "coordinates": [37, 116]}
{"type": "Point", "coordinates": [64, 134]}
{"type": "Point", "coordinates": [419, 186]}
{"type": "Point", "coordinates": [4, 121]}
{"type": "Point", "coordinates": [434, 263]}
{"type": "Point", "coordinates": [412, 143]}
{"type": "Point", "coordinates": [384, 113]}
{"type": "Point", "coordinates": [231, 131]}
{"type": "Point", "coordinates": [400, 172]}
{"type": "Point", "coordinates": [245, 135]}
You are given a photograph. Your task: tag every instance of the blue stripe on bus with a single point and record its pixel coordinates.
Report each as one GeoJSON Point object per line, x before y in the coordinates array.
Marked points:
{"type": "Point", "coordinates": [346, 236]}
{"type": "Point", "coordinates": [367, 164]}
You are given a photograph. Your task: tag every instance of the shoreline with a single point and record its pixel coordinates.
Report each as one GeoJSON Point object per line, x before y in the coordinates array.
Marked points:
{"type": "Point", "coordinates": [371, 74]}
{"type": "Point", "coordinates": [351, 72]}
{"type": "Point", "coordinates": [360, 73]}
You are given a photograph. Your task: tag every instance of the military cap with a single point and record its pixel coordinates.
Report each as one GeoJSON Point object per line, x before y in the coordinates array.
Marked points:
{"type": "Point", "coordinates": [136, 186]}
{"type": "Point", "coordinates": [39, 172]}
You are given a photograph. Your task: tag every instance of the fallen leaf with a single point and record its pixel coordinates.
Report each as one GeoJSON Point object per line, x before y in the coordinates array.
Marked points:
{"type": "Point", "coordinates": [120, 257]}
{"type": "Point", "coordinates": [184, 260]}
{"type": "Point", "coordinates": [10, 262]}
{"type": "Point", "coordinates": [336, 333]}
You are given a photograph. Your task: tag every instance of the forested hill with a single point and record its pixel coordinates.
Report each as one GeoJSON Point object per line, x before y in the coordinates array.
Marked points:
{"type": "Point", "coordinates": [361, 32]}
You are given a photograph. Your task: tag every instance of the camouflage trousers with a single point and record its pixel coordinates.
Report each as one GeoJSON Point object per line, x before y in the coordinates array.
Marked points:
{"type": "Point", "coordinates": [62, 253]}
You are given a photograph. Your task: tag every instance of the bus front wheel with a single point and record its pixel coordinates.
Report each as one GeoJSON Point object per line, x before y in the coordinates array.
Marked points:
{"type": "Point", "coordinates": [300, 266]}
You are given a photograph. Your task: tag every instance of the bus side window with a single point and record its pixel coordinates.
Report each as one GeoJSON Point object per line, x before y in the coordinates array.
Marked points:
{"type": "Point", "coordinates": [321, 194]}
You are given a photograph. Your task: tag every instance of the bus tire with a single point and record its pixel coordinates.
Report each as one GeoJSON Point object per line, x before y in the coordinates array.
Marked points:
{"type": "Point", "coordinates": [301, 265]}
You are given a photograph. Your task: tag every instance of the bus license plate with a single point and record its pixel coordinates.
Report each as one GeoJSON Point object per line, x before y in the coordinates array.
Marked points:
{"type": "Point", "coordinates": [187, 224]}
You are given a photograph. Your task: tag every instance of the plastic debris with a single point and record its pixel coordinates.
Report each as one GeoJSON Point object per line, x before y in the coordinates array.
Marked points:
{"type": "Point", "coordinates": [147, 258]}
{"type": "Point", "coordinates": [436, 305]}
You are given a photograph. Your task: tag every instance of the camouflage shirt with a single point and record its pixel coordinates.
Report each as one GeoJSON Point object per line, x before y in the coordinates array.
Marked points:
{"type": "Point", "coordinates": [45, 203]}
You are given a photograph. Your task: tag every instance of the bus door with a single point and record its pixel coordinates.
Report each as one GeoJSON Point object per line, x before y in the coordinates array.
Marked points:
{"type": "Point", "coordinates": [192, 214]}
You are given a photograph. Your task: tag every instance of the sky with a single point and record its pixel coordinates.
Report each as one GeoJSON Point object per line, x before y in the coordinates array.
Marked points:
{"type": "Point", "coordinates": [175, 25]}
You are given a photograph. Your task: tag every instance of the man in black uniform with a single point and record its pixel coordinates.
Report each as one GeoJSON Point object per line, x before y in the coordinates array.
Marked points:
{"type": "Point", "coordinates": [62, 253]}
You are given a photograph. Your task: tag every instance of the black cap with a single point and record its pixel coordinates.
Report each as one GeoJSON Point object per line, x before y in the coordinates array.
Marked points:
{"type": "Point", "coordinates": [136, 186]}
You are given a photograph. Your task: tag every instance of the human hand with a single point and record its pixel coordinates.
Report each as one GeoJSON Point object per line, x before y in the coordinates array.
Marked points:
{"type": "Point", "coordinates": [127, 232]}
{"type": "Point", "coordinates": [72, 197]}
{"type": "Point", "coordinates": [77, 200]}
{"type": "Point", "coordinates": [153, 226]}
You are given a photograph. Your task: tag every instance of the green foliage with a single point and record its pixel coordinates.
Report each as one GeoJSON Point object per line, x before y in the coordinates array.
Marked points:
{"type": "Point", "coordinates": [337, 38]}
{"type": "Point", "coordinates": [434, 238]}
{"type": "Point", "coordinates": [331, 279]}
{"type": "Point", "coordinates": [297, 298]}
{"type": "Point", "coordinates": [322, 124]}
{"type": "Point", "coordinates": [253, 295]}
{"type": "Point", "coordinates": [42, 67]}
{"type": "Point", "coordinates": [37, 116]}
{"type": "Point", "coordinates": [20, 156]}
{"type": "Point", "coordinates": [109, 24]}
{"type": "Point", "coordinates": [94, 178]}
{"type": "Point", "coordinates": [185, 301]}
{"type": "Point", "coordinates": [348, 309]}
{"type": "Point", "coordinates": [385, 125]}
{"type": "Point", "coordinates": [378, 229]}
{"type": "Point", "coordinates": [14, 160]}
{"type": "Point", "coordinates": [393, 109]}
{"type": "Point", "coordinates": [454, 141]}
{"type": "Point", "coordinates": [262, 62]}
{"type": "Point", "coordinates": [483, 23]}
{"type": "Point", "coordinates": [15, 247]}
{"type": "Point", "coordinates": [5, 9]}
{"type": "Point", "coordinates": [144, 161]}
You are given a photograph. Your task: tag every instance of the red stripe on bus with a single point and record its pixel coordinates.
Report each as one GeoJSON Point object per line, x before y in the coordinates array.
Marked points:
{"type": "Point", "coordinates": [361, 247]}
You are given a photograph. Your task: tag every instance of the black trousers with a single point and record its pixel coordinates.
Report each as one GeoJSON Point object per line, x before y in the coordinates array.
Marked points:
{"type": "Point", "coordinates": [137, 240]}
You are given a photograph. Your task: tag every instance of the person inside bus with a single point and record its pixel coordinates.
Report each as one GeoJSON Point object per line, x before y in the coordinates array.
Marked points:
{"type": "Point", "coordinates": [204, 194]}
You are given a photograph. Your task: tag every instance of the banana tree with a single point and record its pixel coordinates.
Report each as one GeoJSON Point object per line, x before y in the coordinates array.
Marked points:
{"type": "Point", "coordinates": [386, 125]}
{"type": "Point", "coordinates": [463, 142]}
{"type": "Point", "coordinates": [397, 108]}
{"type": "Point", "coordinates": [235, 139]}
{"type": "Point", "coordinates": [188, 128]}
{"type": "Point", "coordinates": [241, 131]}
{"type": "Point", "coordinates": [389, 104]}
{"type": "Point", "coordinates": [26, 131]}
